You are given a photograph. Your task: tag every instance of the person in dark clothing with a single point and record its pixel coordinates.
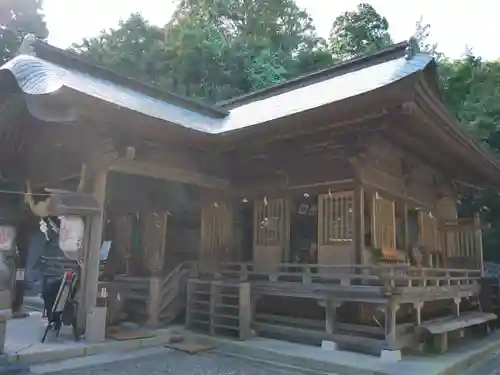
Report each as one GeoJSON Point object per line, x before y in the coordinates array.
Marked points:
{"type": "Point", "coordinates": [67, 316]}
{"type": "Point", "coordinates": [20, 265]}
{"type": "Point", "coordinates": [50, 288]}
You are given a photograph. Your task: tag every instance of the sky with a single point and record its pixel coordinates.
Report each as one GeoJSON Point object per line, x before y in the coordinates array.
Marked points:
{"type": "Point", "coordinates": [454, 25]}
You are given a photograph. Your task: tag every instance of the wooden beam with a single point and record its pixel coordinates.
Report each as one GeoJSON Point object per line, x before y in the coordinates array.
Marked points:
{"type": "Point", "coordinates": [165, 172]}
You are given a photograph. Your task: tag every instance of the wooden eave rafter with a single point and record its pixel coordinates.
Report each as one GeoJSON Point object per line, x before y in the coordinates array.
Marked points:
{"type": "Point", "coordinates": [339, 116]}
{"type": "Point", "coordinates": [169, 173]}
{"type": "Point", "coordinates": [454, 137]}
{"type": "Point", "coordinates": [110, 117]}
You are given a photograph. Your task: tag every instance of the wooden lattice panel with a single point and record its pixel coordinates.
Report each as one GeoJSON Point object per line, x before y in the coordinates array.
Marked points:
{"type": "Point", "coordinates": [384, 224]}
{"type": "Point", "coordinates": [154, 239]}
{"type": "Point", "coordinates": [461, 238]}
{"type": "Point", "coordinates": [270, 233]}
{"type": "Point", "coordinates": [269, 218]}
{"type": "Point", "coordinates": [335, 217]}
{"type": "Point", "coordinates": [429, 237]}
{"type": "Point", "coordinates": [216, 231]}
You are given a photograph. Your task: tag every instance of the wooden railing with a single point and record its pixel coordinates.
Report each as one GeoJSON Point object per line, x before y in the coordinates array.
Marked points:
{"type": "Point", "coordinates": [345, 275]}
{"type": "Point", "coordinates": [174, 284]}
{"type": "Point", "coordinates": [158, 298]}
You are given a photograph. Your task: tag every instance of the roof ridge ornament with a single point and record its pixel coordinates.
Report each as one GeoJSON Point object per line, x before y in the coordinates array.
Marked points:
{"type": "Point", "coordinates": [26, 47]}
{"type": "Point", "coordinates": [413, 48]}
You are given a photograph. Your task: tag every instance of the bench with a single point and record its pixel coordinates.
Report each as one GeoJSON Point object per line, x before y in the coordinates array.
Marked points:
{"type": "Point", "coordinates": [441, 327]}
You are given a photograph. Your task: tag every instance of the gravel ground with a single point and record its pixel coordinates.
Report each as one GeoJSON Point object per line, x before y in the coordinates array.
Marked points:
{"type": "Point", "coordinates": [490, 366]}
{"type": "Point", "coordinates": [178, 363]}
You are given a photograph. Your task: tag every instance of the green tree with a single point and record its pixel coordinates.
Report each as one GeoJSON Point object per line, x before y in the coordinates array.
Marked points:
{"type": "Point", "coordinates": [135, 48]}
{"type": "Point", "coordinates": [214, 49]}
{"type": "Point", "coordinates": [358, 32]}
{"type": "Point", "coordinates": [17, 19]}
{"type": "Point", "coordinates": [471, 90]}
{"type": "Point", "coordinates": [422, 34]}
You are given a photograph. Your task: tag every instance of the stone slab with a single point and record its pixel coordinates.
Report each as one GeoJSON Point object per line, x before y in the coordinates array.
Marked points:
{"type": "Point", "coordinates": [23, 343]}
{"type": "Point", "coordinates": [348, 363]}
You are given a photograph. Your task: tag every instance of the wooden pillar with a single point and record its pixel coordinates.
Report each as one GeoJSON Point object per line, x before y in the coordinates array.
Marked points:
{"type": "Point", "coordinates": [359, 223]}
{"type": "Point", "coordinates": [330, 313]}
{"type": "Point", "coordinates": [418, 305]}
{"type": "Point", "coordinates": [358, 217]}
{"type": "Point", "coordinates": [456, 306]}
{"type": "Point", "coordinates": [479, 243]}
{"type": "Point", "coordinates": [418, 309]}
{"type": "Point", "coordinates": [90, 271]}
{"type": "Point", "coordinates": [406, 227]}
{"type": "Point", "coordinates": [154, 301]}
{"type": "Point", "coordinates": [390, 325]}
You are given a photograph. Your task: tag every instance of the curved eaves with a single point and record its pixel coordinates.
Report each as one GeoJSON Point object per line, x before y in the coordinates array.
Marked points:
{"type": "Point", "coordinates": [42, 88]}
{"type": "Point", "coordinates": [38, 78]}
{"type": "Point", "coordinates": [44, 84]}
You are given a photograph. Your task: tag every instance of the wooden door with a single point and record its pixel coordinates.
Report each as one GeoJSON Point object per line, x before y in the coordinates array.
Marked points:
{"type": "Point", "coordinates": [154, 240]}
{"type": "Point", "coordinates": [121, 246]}
{"type": "Point", "coordinates": [336, 228]}
{"type": "Point", "coordinates": [270, 240]}
{"type": "Point", "coordinates": [428, 236]}
{"type": "Point", "coordinates": [384, 226]}
{"type": "Point", "coordinates": [216, 233]}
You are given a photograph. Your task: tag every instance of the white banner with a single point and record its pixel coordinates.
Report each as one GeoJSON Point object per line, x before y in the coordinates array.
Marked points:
{"type": "Point", "coordinates": [7, 236]}
{"type": "Point", "coordinates": [71, 235]}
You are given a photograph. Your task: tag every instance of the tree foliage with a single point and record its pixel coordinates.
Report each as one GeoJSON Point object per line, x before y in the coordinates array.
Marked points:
{"type": "Point", "coordinates": [18, 18]}
{"type": "Point", "coordinates": [215, 49]}
{"type": "Point", "coordinates": [134, 48]}
{"type": "Point", "coordinates": [358, 32]}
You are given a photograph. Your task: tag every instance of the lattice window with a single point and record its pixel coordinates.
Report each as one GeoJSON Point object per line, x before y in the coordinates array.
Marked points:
{"type": "Point", "coordinates": [428, 231]}
{"type": "Point", "coordinates": [384, 224]}
{"type": "Point", "coordinates": [335, 213]}
{"type": "Point", "coordinates": [268, 222]}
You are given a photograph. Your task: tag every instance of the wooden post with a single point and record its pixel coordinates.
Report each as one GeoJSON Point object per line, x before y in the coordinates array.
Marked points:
{"type": "Point", "coordinates": [154, 301]}
{"type": "Point", "coordinates": [456, 310]}
{"type": "Point", "coordinates": [330, 313]}
{"type": "Point", "coordinates": [456, 307]}
{"type": "Point", "coordinates": [406, 226]}
{"type": "Point", "coordinates": [418, 308]}
{"type": "Point", "coordinates": [441, 342]}
{"type": "Point", "coordinates": [479, 243]}
{"type": "Point", "coordinates": [390, 325]}
{"type": "Point", "coordinates": [91, 263]}
{"type": "Point", "coordinates": [358, 217]}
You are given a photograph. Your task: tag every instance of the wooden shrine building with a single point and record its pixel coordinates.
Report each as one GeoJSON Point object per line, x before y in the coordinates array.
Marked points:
{"type": "Point", "coordinates": [329, 200]}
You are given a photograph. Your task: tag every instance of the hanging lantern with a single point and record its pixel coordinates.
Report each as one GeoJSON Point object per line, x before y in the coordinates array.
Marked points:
{"type": "Point", "coordinates": [7, 236]}
{"type": "Point", "coordinates": [71, 236]}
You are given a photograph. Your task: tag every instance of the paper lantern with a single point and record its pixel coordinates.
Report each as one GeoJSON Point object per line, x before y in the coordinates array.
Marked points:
{"type": "Point", "coordinates": [7, 236]}
{"type": "Point", "coordinates": [71, 234]}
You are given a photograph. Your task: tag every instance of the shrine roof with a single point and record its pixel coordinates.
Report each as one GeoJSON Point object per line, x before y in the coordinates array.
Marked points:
{"type": "Point", "coordinates": [47, 70]}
